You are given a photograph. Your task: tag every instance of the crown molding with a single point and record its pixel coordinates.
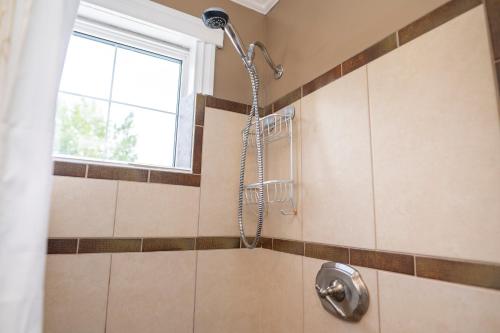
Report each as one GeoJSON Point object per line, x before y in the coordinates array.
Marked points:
{"type": "Point", "coordinates": [262, 8]}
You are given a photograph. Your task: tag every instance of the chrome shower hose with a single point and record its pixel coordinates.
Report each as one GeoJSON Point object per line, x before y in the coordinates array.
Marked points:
{"type": "Point", "coordinates": [254, 114]}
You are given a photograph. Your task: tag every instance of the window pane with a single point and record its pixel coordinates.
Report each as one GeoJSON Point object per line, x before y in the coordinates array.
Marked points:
{"type": "Point", "coordinates": [80, 127]}
{"type": "Point", "coordinates": [146, 80]}
{"type": "Point", "coordinates": [88, 67]}
{"type": "Point", "coordinates": [141, 136]}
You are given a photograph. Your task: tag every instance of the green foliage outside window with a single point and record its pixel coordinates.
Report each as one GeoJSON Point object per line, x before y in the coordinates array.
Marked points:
{"type": "Point", "coordinates": [82, 132]}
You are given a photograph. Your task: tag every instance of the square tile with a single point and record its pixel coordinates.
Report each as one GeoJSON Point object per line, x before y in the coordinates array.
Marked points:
{"type": "Point", "coordinates": [82, 207]}
{"type": "Point", "coordinates": [76, 291]}
{"type": "Point", "coordinates": [152, 292]}
{"type": "Point", "coordinates": [229, 291]}
{"type": "Point", "coordinates": [156, 210]}
{"type": "Point", "coordinates": [414, 305]}
{"type": "Point", "coordinates": [337, 199]}
{"type": "Point", "coordinates": [281, 305]}
{"type": "Point", "coordinates": [220, 174]}
{"type": "Point", "coordinates": [436, 143]}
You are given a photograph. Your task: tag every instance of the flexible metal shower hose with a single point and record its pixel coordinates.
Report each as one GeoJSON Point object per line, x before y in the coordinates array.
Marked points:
{"type": "Point", "coordinates": [254, 114]}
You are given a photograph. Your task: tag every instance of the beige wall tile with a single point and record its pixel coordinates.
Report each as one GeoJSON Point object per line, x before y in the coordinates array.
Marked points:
{"type": "Point", "coordinates": [414, 305]}
{"type": "Point", "coordinates": [318, 320]}
{"type": "Point", "coordinates": [76, 290]}
{"type": "Point", "coordinates": [436, 142]}
{"type": "Point", "coordinates": [156, 210]}
{"type": "Point", "coordinates": [220, 172]}
{"type": "Point", "coordinates": [277, 166]}
{"type": "Point", "coordinates": [82, 207]}
{"type": "Point", "coordinates": [152, 292]}
{"type": "Point", "coordinates": [336, 164]}
{"type": "Point", "coordinates": [282, 298]}
{"type": "Point", "coordinates": [228, 291]}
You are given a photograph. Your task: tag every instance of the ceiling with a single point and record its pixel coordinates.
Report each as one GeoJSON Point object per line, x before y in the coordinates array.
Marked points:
{"type": "Point", "coordinates": [261, 6]}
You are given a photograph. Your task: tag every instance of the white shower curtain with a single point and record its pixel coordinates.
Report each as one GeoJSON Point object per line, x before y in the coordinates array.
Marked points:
{"type": "Point", "coordinates": [33, 38]}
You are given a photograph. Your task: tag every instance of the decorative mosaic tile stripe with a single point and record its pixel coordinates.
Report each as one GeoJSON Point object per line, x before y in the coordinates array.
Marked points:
{"type": "Point", "coordinates": [486, 275]}
{"type": "Point", "coordinates": [115, 245]}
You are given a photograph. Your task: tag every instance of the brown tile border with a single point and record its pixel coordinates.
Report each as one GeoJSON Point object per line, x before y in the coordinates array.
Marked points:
{"type": "Point", "coordinates": [96, 171]}
{"type": "Point", "coordinates": [493, 12]}
{"type": "Point", "coordinates": [498, 75]}
{"type": "Point", "coordinates": [288, 246]}
{"type": "Point", "coordinates": [168, 244]}
{"type": "Point", "coordinates": [375, 51]}
{"type": "Point", "coordinates": [174, 178]}
{"type": "Point", "coordinates": [288, 99]}
{"type": "Point", "coordinates": [486, 275]}
{"type": "Point", "coordinates": [109, 245]}
{"type": "Point", "coordinates": [435, 18]}
{"type": "Point", "coordinates": [424, 24]}
{"type": "Point", "coordinates": [385, 261]}
{"type": "Point", "coordinates": [216, 243]}
{"type": "Point", "coordinates": [322, 80]}
{"type": "Point", "coordinates": [69, 169]}
{"type": "Point", "coordinates": [267, 243]}
{"type": "Point", "coordinates": [199, 118]}
{"type": "Point", "coordinates": [327, 252]}
{"type": "Point", "coordinates": [473, 274]}
{"type": "Point", "coordinates": [62, 246]}
{"type": "Point", "coordinates": [117, 173]}
{"type": "Point", "coordinates": [197, 149]}
{"type": "Point", "coordinates": [223, 104]}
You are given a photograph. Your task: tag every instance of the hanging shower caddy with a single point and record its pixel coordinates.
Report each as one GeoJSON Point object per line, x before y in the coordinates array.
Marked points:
{"type": "Point", "coordinates": [274, 127]}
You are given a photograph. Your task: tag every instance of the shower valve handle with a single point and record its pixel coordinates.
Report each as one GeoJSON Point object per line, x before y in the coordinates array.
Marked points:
{"type": "Point", "coordinates": [336, 290]}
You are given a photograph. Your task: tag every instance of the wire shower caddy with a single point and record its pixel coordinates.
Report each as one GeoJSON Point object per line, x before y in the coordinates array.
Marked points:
{"type": "Point", "coordinates": [274, 127]}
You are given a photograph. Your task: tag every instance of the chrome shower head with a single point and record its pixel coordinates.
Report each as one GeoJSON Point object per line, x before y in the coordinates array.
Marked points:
{"type": "Point", "coordinates": [215, 18]}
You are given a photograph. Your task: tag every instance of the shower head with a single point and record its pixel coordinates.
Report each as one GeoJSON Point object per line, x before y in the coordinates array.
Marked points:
{"type": "Point", "coordinates": [215, 18]}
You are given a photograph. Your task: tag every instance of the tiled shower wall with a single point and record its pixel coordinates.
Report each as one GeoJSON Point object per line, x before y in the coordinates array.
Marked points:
{"type": "Point", "coordinates": [401, 155]}
{"type": "Point", "coordinates": [400, 158]}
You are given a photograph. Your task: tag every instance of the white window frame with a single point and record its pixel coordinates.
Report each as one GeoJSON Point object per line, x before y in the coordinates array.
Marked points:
{"type": "Point", "coordinates": [152, 27]}
{"type": "Point", "coordinates": [156, 21]}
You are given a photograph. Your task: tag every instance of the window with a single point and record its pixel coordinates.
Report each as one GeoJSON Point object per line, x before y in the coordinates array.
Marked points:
{"type": "Point", "coordinates": [127, 89]}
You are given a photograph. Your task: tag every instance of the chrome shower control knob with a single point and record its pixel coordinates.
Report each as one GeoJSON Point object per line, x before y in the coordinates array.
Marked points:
{"type": "Point", "coordinates": [336, 290]}
{"type": "Point", "coordinates": [342, 291]}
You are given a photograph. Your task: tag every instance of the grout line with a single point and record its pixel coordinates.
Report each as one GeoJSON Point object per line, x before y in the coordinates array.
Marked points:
{"type": "Point", "coordinates": [378, 303]}
{"type": "Point", "coordinates": [372, 166]}
{"type": "Point", "coordinates": [142, 243]}
{"type": "Point", "coordinates": [77, 245]}
{"type": "Point", "coordinates": [116, 207]}
{"type": "Point", "coordinates": [86, 171]}
{"type": "Point", "coordinates": [195, 285]}
{"type": "Point", "coordinates": [349, 254]}
{"type": "Point", "coordinates": [107, 298]}
{"type": "Point", "coordinates": [149, 177]}
{"type": "Point", "coordinates": [397, 39]}
{"type": "Point", "coordinates": [414, 265]}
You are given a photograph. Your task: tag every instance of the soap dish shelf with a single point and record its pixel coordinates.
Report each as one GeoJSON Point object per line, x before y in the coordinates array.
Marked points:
{"type": "Point", "coordinates": [274, 127]}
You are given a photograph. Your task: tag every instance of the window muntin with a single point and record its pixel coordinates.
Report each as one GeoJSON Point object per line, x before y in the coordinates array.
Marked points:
{"type": "Point", "coordinates": [118, 103]}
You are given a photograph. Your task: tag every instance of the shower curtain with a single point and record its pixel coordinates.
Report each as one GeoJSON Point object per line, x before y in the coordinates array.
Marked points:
{"type": "Point", "coordinates": [33, 38]}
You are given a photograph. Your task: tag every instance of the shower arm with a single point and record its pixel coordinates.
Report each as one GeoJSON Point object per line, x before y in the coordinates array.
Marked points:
{"type": "Point", "coordinates": [277, 69]}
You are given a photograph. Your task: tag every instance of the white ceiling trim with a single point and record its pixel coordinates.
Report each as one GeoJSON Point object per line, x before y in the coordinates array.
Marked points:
{"type": "Point", "coordinates": [261, 6]}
